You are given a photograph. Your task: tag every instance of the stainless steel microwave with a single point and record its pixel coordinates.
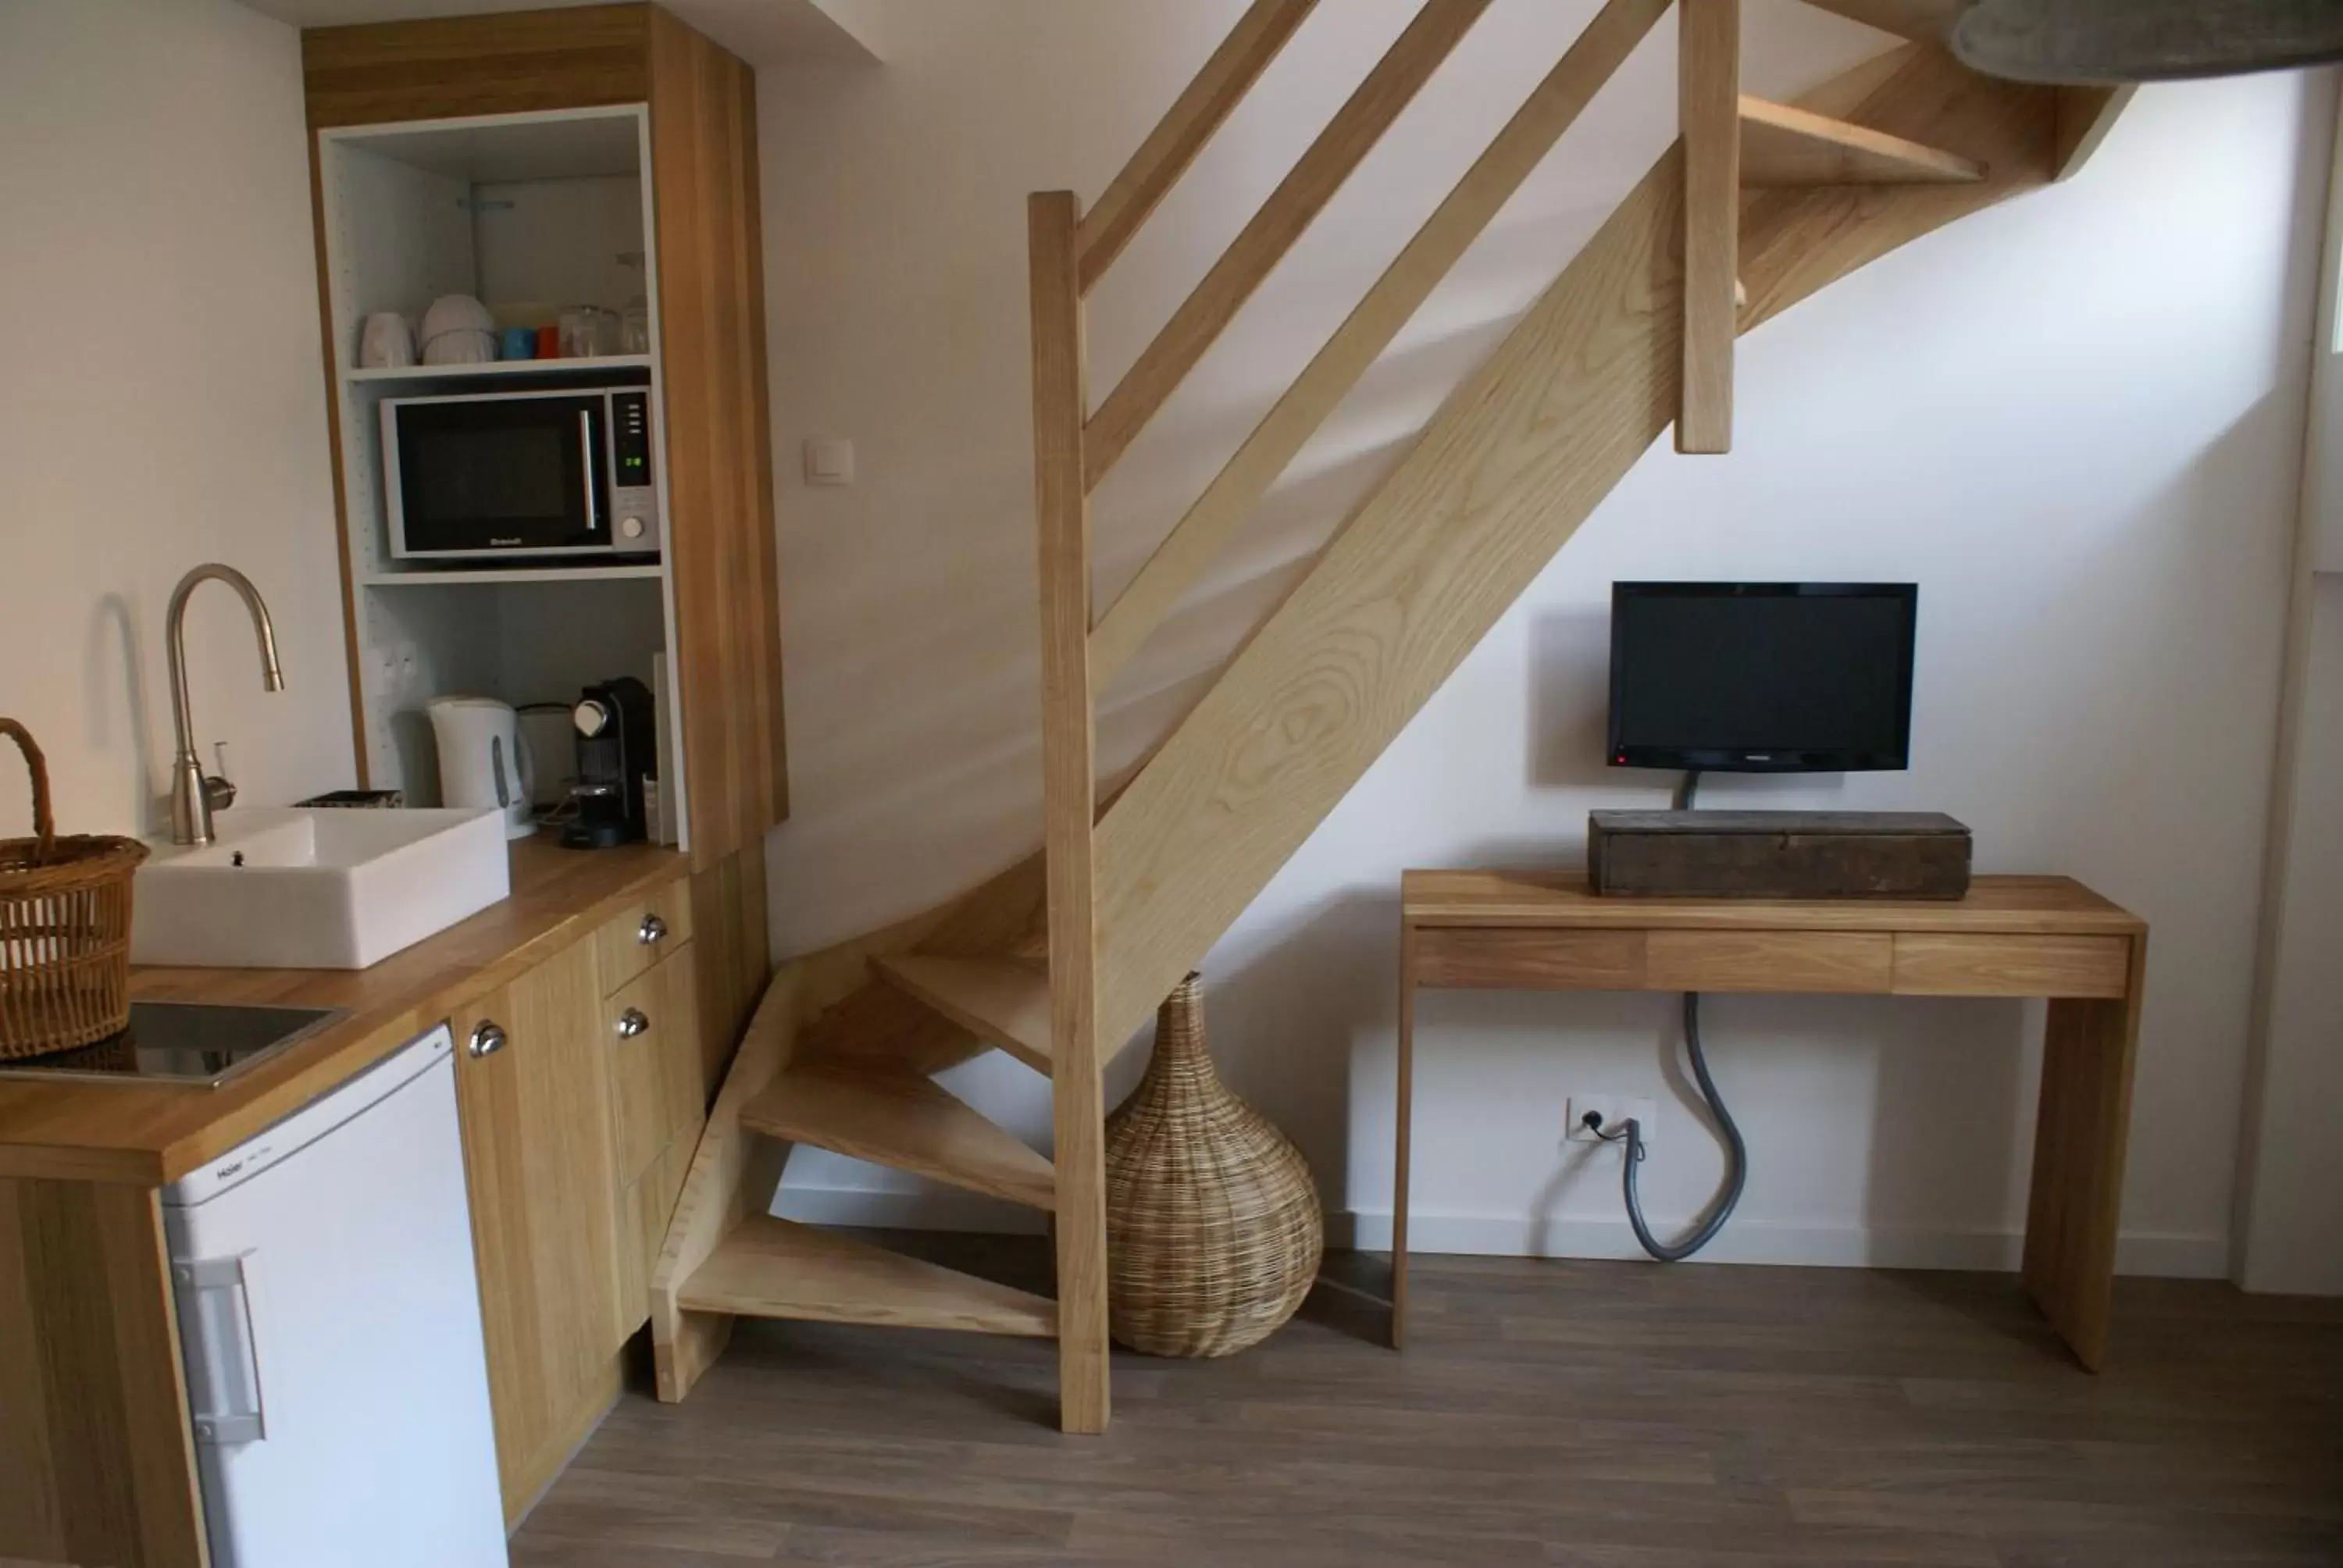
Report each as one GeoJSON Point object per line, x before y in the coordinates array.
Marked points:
{"type": "Point", "coordinates": [540, 473]}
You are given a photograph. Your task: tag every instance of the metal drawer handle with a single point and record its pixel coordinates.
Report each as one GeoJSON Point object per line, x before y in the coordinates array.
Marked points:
{"type": "Point", "coordinates": [487, 1040]}
{"type": "Point", "coordinates": [654, 930]}
{"type": "Point", "coordinates": [632, 1022]}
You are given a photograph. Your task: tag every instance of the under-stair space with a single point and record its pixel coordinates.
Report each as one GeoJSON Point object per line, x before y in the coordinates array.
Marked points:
{"type": "Point", "coordinates": [891, 1117]}
{"type": "Point", "coordinates": [1061, 959]}
{"type": "Point", "coordinates": [770, 1268]}
{"type": "Point", "coordinates": [1001, 1001]}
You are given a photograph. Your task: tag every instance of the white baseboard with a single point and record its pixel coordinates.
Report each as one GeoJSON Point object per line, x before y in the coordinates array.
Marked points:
{"type": "Point", "coordinates": [1513, 1236]}
{"type": "Point", "coordinates": [1755, 1241]}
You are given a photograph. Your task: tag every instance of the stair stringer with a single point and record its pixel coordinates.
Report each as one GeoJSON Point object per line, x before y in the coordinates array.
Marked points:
{"type": "Point", "coordinates": [1516, 459]}
{"type": "Point", "coordinates": [733, 1175]}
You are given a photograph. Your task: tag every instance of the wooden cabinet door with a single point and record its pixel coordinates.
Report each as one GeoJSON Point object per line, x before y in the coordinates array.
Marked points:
{"type": "Point", "coordinates": [653, 1039]}
{"type": "Point", "coordinates": [657, 1107]}
{"type": "Point", "coordinates": [719, 430]}
{"type": "Point", "coordinates": [533, 1089]}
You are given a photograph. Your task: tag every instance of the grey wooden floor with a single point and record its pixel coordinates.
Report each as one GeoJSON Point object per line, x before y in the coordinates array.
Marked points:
{"type": "Point", "coordinates": [1547, 1413]}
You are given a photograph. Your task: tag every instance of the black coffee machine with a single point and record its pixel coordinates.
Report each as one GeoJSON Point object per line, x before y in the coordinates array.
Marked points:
{"type": "Point", "coordinates": [617, 746]}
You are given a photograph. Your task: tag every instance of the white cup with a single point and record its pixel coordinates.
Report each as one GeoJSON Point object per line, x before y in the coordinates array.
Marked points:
{"type": "Point", "coordinates": [386, 342]}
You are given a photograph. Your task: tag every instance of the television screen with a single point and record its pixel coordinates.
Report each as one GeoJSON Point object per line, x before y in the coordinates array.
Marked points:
{"type": "Point", "coordinates": [1762, 677]}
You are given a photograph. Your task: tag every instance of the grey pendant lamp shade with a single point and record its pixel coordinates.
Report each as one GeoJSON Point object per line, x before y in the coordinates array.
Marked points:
{"type": "Point", "coordinates": [2143, 40]}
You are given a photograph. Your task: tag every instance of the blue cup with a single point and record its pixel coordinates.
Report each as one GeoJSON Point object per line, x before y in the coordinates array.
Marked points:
{"type": "Point", "coordinates": [518, 343]}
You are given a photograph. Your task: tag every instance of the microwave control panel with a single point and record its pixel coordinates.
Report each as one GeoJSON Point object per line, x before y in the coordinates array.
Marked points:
{"type": "Point", "coordinates": [634, 499]}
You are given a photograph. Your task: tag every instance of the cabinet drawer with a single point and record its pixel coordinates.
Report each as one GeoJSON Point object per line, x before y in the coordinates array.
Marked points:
{"type": "Point", "coordinates": [650, 929]}
{"type": "Point", "coordinates": [1783, 962]}
{"type": "Point", "coordinates": [1506, 959]}
{"type": "Point", "coordinates": [651, 1030]}
{"type": "Point", "coordinates": [1933, 964]}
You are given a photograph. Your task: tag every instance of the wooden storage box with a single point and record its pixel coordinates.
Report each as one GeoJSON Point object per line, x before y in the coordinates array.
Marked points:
{"type": "Point", "coordinates": [1778, 854]}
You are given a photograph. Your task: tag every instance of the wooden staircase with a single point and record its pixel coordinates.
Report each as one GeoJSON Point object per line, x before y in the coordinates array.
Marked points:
{"type": "Point", "coordinates": [1060, 960]}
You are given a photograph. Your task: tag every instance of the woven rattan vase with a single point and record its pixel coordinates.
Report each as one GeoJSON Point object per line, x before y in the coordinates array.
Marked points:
{"type": "Point", "coordinates": [1213, 1230]}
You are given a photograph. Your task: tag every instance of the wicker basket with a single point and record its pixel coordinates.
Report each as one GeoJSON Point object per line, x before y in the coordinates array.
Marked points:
{"type": "Point", "coordinates": [64, 929]}
{"type": "Point", "coordinates": [1213, 1230]}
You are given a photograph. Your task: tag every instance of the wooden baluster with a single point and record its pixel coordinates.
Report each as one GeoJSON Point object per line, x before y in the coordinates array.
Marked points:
{"type": "Point", "coordinates": [1291, 208]}
{"type": "Point", "coordinates": [1708, 114]}
{"type": "Point", "coordinates": [1069, 773]}
{"type": "Point", "coordinates": [1405, 285]}
{"type": "Point", "coordinates": [1207, 101]}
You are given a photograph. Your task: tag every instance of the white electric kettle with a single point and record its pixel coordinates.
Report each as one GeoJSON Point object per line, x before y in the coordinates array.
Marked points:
{"type": "Point", "coordinates": [483, 760]}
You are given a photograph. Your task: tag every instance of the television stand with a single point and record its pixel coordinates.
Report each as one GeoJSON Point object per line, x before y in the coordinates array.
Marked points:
{"type": "Point", "coordinates": [2010, 937]}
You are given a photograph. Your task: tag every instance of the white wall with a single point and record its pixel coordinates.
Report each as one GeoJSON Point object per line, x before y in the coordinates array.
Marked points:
{"type": "Point", "coordinates": [162, 403]}
{"type": "Point", "coordinates": [2291, 1200]}
{"type": "Point", "coordinates": [2075, 421]}
{"type": "Point", "coordinates": [2294, 1221]}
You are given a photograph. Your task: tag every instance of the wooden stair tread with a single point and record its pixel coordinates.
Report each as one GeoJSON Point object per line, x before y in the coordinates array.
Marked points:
{"type": "Point", "coordinates": [770, 1268]}
{"type": "Point", "coordinates": [1784, 146]}
{"type": "Point", "coordinates": [1006, 1003]}
{"type": "Point", "coordinates": [897, 1119]}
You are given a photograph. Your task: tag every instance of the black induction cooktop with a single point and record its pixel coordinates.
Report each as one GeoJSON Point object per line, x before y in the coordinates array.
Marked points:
{"type": "Point", "coordinates": [201, 1043]}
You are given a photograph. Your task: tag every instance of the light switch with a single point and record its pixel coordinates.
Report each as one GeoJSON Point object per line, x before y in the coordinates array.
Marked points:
{"type": "Point", "coordinates": [829, 461]}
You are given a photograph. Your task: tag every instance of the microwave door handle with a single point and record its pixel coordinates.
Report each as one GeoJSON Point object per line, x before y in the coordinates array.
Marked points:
{"type": "Point", "coordinates": [586, 460]}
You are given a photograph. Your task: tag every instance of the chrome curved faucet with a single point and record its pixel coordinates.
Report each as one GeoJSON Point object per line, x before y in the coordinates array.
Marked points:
{"type": "Point", "coordinates": [193, 797]}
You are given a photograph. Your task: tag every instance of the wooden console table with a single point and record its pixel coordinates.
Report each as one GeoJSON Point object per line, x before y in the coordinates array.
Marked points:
{"type": "Point", "coordinates": [2011, 936]}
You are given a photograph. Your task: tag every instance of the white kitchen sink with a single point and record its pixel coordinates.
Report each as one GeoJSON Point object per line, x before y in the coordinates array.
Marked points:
{"type": "Point", "coordinates": [330, 889]}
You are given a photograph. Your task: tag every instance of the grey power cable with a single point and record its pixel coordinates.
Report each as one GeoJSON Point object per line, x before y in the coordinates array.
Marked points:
{"type": "Point", "coordinates": [1736, 1151]}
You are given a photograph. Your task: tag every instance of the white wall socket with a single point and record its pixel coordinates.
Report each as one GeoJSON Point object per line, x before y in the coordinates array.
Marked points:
{"type": "Point", "coordinates": [1617, 1110]}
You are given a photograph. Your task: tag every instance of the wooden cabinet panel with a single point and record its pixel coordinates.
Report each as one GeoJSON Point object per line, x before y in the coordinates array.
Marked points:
{"type": "Point", "coordinates": [654, 1071]}
{"type": "Point", "coordinates": [440, 67]}
{"type": "Point", "coordinates": [644, 1209]}
{"type": "Point", "coordinates": [731, 956]}
{"type": "Point", "coordinates": [1935, 964]}
{"type": "Point", "coordinates": [630, 943]}
{"type": "Point", "coordinates": [1775, 961]}
{"type": "Point", "coordinates": [96, 1464]}
{"type": "Point", "coordinates": [720, 464]}
{"type": "Point", "coordinates": [536, 1153]}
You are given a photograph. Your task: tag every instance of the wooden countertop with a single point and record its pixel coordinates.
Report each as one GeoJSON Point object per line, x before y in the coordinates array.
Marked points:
{"type": "Point", "coordinates": [2011, 905]}
{"type": "Point", "coordinates": [148, 1134]}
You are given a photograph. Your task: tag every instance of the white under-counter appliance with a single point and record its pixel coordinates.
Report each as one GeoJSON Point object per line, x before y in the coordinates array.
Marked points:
{"type": "Point", "coordinates": [330, 1319]}
{"type": "Point", "coordinates": [557, 472]}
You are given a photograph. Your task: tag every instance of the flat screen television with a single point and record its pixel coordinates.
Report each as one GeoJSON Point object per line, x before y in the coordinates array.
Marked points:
{"type": "Point", "coordinates": [1762, 677]}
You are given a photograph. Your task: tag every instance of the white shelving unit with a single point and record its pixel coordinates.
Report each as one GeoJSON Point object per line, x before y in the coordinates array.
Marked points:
{"type": "Point", "coordinates": [508, 575]}
{"type": "Point", "coordinates": [548, 209]}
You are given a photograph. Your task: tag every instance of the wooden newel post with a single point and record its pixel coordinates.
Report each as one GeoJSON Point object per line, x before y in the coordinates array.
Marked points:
{"type": "Point", "coordinates": [1061, 508]}
{"type": "Point", "coordinates": [1708, 117]}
